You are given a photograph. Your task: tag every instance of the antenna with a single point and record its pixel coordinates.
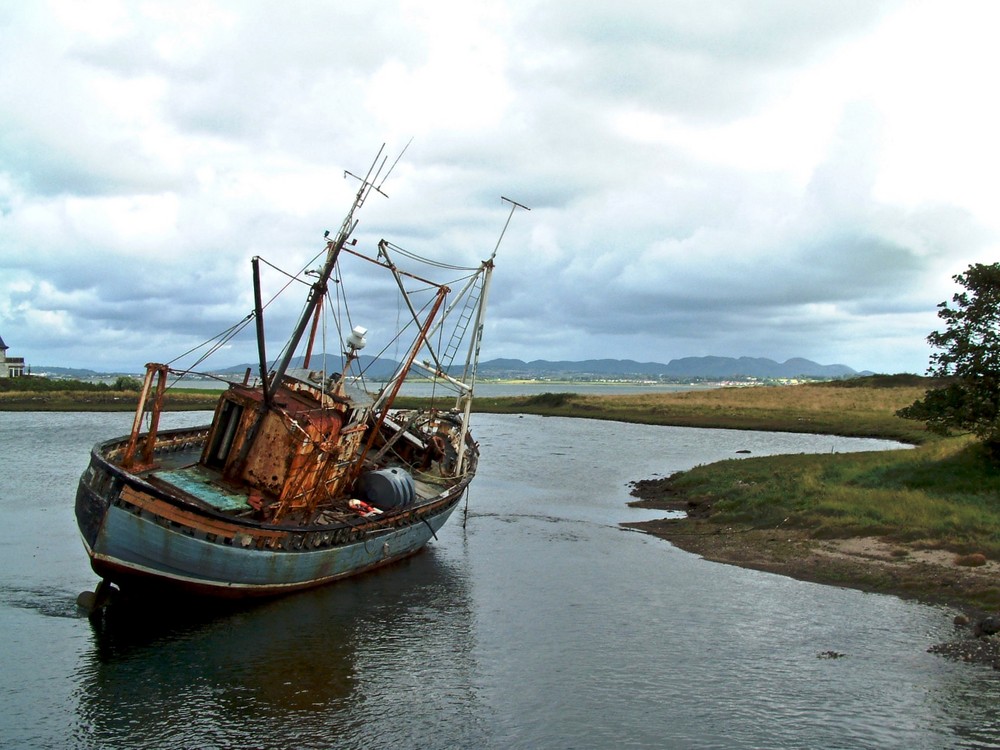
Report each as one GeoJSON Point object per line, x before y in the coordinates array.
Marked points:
{"type": "Point", "coordinates": [511, 200]}
{"type": "Point", "coordinates": [379, 188]}
{"type": "Point", "coordinates": [369, 180]}
{"type": "Point", "coordinates": [514, 205]}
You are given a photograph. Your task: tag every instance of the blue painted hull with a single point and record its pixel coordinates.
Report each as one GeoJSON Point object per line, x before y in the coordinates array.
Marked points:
{"type": "Point", "coordinates": [129, 548]}
{"type": "Point", "coordinates": [139, 536]}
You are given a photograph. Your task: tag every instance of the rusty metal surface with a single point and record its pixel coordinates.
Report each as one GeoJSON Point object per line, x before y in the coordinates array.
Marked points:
{"type": "Point", "coordinates": [158, 373]}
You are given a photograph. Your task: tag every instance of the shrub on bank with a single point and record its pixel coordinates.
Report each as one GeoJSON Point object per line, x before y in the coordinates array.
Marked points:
{"type": "Point", "coordinates": [37, 384]}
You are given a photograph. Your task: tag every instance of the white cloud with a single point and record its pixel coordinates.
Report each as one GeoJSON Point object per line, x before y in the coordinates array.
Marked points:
{"type": "Point", "coordinates": [733, 178]}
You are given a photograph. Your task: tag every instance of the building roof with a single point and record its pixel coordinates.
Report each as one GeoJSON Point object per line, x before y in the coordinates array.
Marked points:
{"type": "Point", "coordinates": [3, 346]}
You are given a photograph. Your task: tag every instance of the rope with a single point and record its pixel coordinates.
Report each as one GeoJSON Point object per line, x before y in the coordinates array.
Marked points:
{"type": "Point", "coordinates": [427, 261]}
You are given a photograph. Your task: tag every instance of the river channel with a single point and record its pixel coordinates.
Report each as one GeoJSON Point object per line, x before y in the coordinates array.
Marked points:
{"type": "Point", "coordinates": [538, 623]}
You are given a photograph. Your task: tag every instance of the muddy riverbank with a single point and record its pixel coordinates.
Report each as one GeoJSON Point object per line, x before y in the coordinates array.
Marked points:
{"type": "Point", "coordinates": [912, 570]}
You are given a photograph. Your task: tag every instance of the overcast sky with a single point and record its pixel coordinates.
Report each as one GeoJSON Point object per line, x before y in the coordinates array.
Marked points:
{"type": "Point", "coordinates": [768, 178]}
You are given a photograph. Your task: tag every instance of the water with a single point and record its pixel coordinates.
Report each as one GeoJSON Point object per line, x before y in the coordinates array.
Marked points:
{"type": "Point", "coordinates": [495, 390]}
{"type": "Point", "coordinates": [543, 624]}
{"type": "Point", "coordinates": [425, 389]}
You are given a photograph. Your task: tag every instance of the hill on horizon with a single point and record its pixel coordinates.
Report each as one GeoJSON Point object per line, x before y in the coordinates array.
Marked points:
{"type": "Point", "coordinates": [703, 368]}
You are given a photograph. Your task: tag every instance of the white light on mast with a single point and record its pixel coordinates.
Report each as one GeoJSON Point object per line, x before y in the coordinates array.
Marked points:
{"type": "Point", "coordinates": [356, 339]}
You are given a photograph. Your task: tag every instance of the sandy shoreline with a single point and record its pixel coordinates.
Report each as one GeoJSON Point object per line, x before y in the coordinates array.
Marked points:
{"type": "Point", "coordinates": [907, 570]}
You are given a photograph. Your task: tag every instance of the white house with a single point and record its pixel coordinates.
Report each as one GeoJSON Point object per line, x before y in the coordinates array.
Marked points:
{"type": "Point", "coordinates": [10, 367]}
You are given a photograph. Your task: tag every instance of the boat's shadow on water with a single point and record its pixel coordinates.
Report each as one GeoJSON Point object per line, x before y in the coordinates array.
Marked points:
{"type": "Point", "coordinates": [244, 668]}
{"type": "Point", "coordinates": [128, 623]}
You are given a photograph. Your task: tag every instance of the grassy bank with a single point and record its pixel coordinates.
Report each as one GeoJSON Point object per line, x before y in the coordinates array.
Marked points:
{"type": "Point", "coordinates": [102, 400]}
{"type": "Point", "coordinates": [941, 496]}
{"type": "Point", "coordinates": [855, 411]}
{"type": "Point", "coordinates": [945, 492]}
{"type": "Point", "coordinates": [819, 408]}
{"type": "Point", "coordinates": [921, 522]}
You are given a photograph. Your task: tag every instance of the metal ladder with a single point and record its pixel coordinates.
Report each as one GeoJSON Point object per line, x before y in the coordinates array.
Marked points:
{"type": "Point", "coordinates": [465, 316]}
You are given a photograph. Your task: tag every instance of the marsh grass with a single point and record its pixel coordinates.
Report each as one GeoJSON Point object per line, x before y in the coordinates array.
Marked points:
{"type": "Point", "coordinates": [819, 408]}
{"type": "Point", "coordinates": [33, 393]}
{"type": "Point", "coordinates": [945, 494]}
{"type": "Point", "coordinates": [102, 400]}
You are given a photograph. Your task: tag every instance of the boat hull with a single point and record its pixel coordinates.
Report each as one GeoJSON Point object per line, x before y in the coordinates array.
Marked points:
{"type": "Point", "coordinates": [139, 538]}
{"type": "Point", "coordinates": [130, 550]}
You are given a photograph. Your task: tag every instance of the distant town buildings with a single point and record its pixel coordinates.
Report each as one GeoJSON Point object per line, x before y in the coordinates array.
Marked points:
{"type": "Point", "coordinates": [10, 367]}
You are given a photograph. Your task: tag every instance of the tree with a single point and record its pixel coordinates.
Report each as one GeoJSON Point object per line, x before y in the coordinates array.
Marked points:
{"type": "Point", "coordinates": [969, 357]}
{"type": "Point", "coordinates": [125, 383]}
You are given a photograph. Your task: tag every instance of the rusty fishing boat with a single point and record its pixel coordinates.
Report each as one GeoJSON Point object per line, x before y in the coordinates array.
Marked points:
{"type": "Point", "coordinates": [303, 476]}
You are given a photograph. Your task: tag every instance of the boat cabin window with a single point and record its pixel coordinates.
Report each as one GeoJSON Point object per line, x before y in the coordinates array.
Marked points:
{"type": "Point", "coordinates": [225, 431]}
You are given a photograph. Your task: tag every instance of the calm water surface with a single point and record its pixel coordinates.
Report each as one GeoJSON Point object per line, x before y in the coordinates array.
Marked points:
{"type": "Point", "coordinates": [542, 624]}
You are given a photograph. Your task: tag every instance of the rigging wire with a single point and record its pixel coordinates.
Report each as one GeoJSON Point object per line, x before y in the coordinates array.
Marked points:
{"type": "Point", "coordinates": [341, 327]}
{"type": "Point", "coordinates": [399, 318]}
{"type": "Point", "coordinates": [291, 276]}
{"type": "Point", "coordinates": [435, 381]}
{"type": "Point", "coordinates": [428, 261]}
{"type": "Point", "coordinates": [332, 303]}
{"type": "Point", "coordinates": [225, 336]}
{"type": "Point", "coordinates": [397, 337]}
{"type": "Point", "coordinates": [339, 310]}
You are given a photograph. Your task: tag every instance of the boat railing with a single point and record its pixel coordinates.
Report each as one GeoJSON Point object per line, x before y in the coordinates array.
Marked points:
{"type": "Point", "coordinates": [167, 441]}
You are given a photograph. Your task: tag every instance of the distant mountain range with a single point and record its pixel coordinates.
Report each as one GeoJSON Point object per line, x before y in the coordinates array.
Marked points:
{"type": "Point", "coordinates": [686, 368]}
{"type": "Point", "coordinates": [704, 368]}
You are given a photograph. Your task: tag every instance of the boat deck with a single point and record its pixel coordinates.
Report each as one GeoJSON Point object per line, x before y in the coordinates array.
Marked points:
{"type": "Point", "coordinates": [180, 472]}
{"type": "Point", "coordinates": [202, 483]}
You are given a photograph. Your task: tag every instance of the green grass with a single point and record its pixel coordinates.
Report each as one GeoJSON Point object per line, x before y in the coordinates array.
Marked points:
{"type": "Point", "coordinates": [945, 494]}
{"type": "Point", "coordinates": [832, 409]}
{"type": "Point", "coordinates": [49, 394]}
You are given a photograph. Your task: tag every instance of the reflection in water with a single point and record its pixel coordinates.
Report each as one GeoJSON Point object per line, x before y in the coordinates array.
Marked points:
{"type": "Point", "coordinates": [288, 672]}
{"type": "Point", "coordinates": [542, 625]}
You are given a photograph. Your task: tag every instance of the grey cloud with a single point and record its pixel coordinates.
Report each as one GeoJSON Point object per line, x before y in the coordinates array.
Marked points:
{"type": "Point", "coordinates": [697, 59]}
{"type": "Point", "coordinates": [631, 247]}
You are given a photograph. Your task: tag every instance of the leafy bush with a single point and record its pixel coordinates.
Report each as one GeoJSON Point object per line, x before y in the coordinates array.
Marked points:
{"type": "Point", "coordinates": [969, 353]}
{"type": "Point", "coordinates": [126, 383]}
{"type": "Point", "coordinates": [34, 383]}
{"type": "Point", "coordinates": [37, 384]}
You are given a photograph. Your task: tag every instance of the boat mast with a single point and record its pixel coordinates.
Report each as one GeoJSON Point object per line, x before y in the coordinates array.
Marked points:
{"type": "Point", "coordinates": [258, 312]}
{"type": "Point", "coordinates": [318, 290]}
{"type": "Point", "coordinates": [317, 294]}
{"type": "Point", "coordinates": [472, 360]}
